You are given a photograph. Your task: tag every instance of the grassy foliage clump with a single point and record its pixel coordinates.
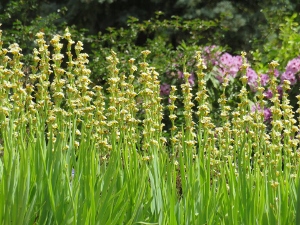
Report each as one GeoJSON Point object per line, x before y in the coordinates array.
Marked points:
{"type": "Point", "coordinates": [73, 153]}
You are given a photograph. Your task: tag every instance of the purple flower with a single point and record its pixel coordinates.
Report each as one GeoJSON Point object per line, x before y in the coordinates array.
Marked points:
{"type": "Point", "coordinates": [293, 65]}
{"type": "Point", "coordinates": [229, 66]}
{"type": "Point", "coordinates": [165, 89]}
{"type": "Point", "coordinates": [252, 78]}
{"type": "Point", "coordinates": [268, 94]}
{"type": "Point", "coordinates": [264, 79]}
{"type": "Point", "coordinates": [280, 90]}
{"type": "Point", "coordinates": [290, 76]}
{"type": "Point", "coordinates": [276, 73]}
{"type": "Point", "coordinates": [292, 68]}
{"type": "Point", "coordinates": [267, 112]}
{"type": "Point", "coordinates": [211, 55]}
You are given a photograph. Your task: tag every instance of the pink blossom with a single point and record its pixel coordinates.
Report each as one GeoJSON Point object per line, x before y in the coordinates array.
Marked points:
{"type": "Point", "coordinates": [211, 55]}
{"type": "Point", "coordinates": [268, 94]}
{"type": "Point", "coordinates": [279, 90]}
{"type": "Point", "coordinates": [276, 73]}
{"type": "Point", "coordinates": [228, 66]}
{"type": "Point", "coordinates": [293, 65]}
{"type": "Point", "coordinates": [264, 79]}
{"type": "Point", "coordinates": [252, 78]}
{"type": "Point", "coordinates": [292, 68]}
{"type": "Point", "coordinates": [290, 76]}
{"type": "Point", "coordinates": [267, 112]}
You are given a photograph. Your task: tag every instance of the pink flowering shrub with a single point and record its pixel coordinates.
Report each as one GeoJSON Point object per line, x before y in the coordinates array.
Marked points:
{"type": "Point", "coordinates": [291, 70]}
{"type": "Point", "coordinates": [220, 64]}
{"type": "Point", "coordinates": [211, 55]}
{"type": "Point", "coordinates": [228, 65]}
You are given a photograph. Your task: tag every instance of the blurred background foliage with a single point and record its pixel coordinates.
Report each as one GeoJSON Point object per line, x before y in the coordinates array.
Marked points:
{"type": "Point", "coordinates": [243, 25]}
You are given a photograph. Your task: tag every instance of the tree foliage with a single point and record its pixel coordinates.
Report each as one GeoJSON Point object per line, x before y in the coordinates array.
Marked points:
{"type": "Point", "coordinates": [244, 24]}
